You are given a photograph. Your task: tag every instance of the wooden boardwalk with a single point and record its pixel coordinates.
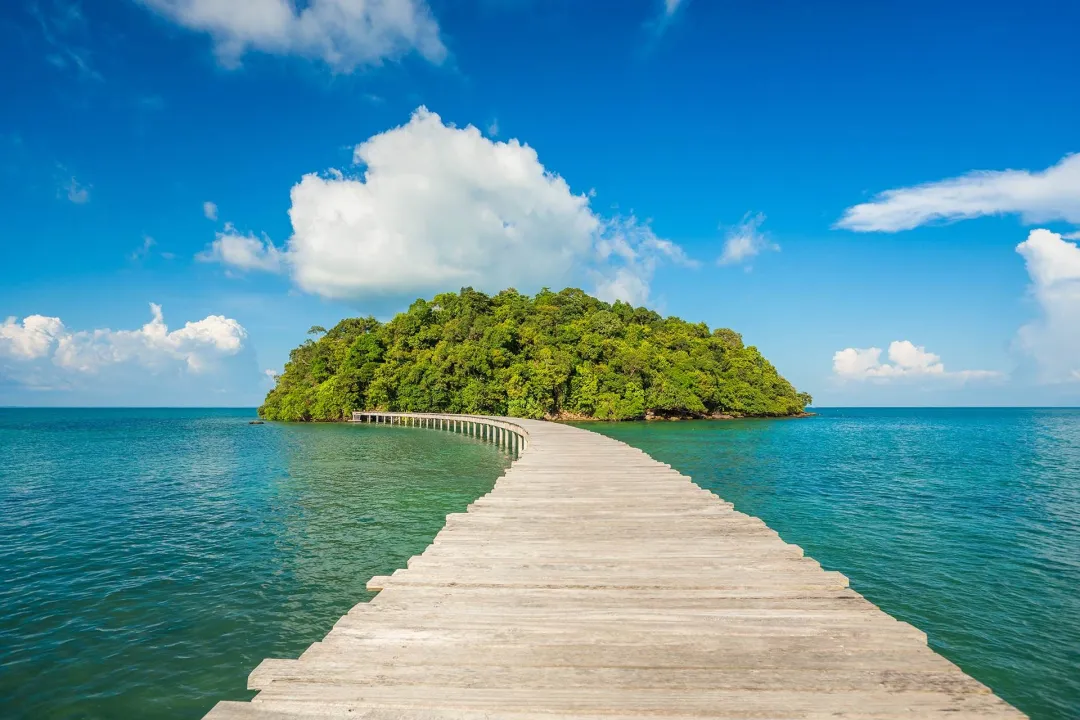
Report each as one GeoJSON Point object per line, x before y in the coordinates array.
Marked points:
{"type": "Point", "coordinates": [594, 582]}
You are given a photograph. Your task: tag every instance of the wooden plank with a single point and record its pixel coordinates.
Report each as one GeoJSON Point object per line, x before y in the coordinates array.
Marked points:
{"type": "Point", "coordinates": [594, 582]}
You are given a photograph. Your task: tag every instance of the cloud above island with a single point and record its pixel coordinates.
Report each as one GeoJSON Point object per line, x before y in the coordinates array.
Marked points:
{"type": "Point", "coordinates": [1037, 196]}
{"type": "Point", "coordinates": [906, 361]}
{"type": "Point", "coordinates": [345, 34]}
{"type": "Point", "coordinates": [433, 206]}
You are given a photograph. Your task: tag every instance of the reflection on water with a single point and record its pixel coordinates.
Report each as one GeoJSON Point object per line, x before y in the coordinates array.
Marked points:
{"type": "Point", "coordinates": [965, 523]}
{"type": "Point", "coordinates": [152, 558]}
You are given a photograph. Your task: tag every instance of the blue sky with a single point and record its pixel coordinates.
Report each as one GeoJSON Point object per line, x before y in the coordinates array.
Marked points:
{"type": "Point", "coordinates": [724, 162]}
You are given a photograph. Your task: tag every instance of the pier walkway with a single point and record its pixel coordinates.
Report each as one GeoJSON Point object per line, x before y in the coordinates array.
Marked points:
{"type": "Point", "coordinates": [594, 582]}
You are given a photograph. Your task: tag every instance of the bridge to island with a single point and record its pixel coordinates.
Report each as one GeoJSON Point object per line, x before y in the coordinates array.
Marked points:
{"type": "Point", "coordinates": [594, 582]}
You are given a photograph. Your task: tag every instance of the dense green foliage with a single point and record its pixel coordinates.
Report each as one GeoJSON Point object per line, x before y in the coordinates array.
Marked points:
{"type": "Point", "coordinates": [560, 354]}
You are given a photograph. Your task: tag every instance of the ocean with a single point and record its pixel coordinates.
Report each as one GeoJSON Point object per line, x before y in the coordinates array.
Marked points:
{"type": "Point", "coordinates": [151, 558]}
{"type": "Point", "coordinates": [962, 522]}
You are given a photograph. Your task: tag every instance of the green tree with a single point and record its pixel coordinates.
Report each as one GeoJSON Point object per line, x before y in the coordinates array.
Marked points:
{"type": "Point", "coordinates": [557, 354]}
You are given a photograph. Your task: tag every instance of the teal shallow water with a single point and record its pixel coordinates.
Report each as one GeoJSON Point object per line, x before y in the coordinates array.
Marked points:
{"type": "Point", "coordinates": [151, 558]}
{"type": "Point", "coordinates": [965, 523]}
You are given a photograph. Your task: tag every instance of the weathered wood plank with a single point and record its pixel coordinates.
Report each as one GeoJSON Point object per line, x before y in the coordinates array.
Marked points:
{"type": "Point", "coordinates": [594, 582]}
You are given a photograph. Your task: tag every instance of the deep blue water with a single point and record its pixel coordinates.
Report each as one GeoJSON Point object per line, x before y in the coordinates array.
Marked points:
{"type": "Point", "coordinates": [151, 558]}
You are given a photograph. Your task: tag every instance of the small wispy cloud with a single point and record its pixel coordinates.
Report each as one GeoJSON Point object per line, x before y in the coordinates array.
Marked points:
{"type": "Point", "coordinates": [1037, 196]}
{"type": "Point", "coordinates": [243, 252]}
{"type": "Point", "coordinates": [210, 210]}
{"type": "Point", "coordinates": [64, 29]}
{"type": "Point", "coordinates": [745, 241]}
{"type": "Point", "coordinates": [76, 192]}
{"type": "Point", "coordinates": [657, 24]}
{"type": "Point", "coordinates": [144, 250]}
{"type": "Point", "coordinates": [629, 253]}
{"type": "Point", "coordinates": [672, 6]}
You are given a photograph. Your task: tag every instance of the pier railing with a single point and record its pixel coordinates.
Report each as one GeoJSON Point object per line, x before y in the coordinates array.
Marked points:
{"type": "Point", "coordinates": [503, 432]}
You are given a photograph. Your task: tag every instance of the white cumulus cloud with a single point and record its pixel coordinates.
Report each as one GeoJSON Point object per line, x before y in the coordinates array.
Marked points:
{"type": "Point", "coordinates": [38, 344]}
{"type": "Point", "coordinates": [745, 241]}
{"type": "Point", "coordinates": [33, 338]}
{"type": "Point", "coordinates": [244, 252]}
{"type": "Point", "coordinates": [345, 34]}
{"type": "Point", "coordinates": [438, 207]}
{"type": "Point", "coordinates": [906, 360]}
{"type": "Point", "coordinates": [209, 210]}
{"type": "Point", "coordinates": [1046, 195]}
{"type": "Point", "coordinates": [1053, 339]}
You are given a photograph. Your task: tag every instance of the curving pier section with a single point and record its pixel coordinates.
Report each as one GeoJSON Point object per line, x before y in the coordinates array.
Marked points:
{"type": "Point", "coordinates": [594, 582]}
{"type": "Point", "coordinates": [505, 432]}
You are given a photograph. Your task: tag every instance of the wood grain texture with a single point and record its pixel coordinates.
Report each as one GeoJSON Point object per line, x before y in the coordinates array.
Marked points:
{"type": "Point", "coordinates": [595, 582]}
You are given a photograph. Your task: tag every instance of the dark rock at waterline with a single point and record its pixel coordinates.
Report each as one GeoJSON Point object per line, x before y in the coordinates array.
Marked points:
{"type": "Point", "coordinates": [256, 422]}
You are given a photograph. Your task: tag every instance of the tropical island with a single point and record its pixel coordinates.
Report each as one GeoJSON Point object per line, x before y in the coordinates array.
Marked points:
{"type": "Point", "coordinates": [557, 355]}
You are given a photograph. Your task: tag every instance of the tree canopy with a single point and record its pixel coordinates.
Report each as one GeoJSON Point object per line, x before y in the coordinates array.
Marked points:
{"type": "Point", "coordinates": [556, 355]}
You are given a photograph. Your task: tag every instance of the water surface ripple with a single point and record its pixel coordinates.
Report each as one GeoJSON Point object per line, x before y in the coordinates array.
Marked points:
{"type": "Point", "coordinates": [151, 558]}
{"type": "Point", "coordinates": [963, 522]}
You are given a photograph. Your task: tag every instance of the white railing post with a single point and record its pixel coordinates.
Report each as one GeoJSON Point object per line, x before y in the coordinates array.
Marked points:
{"type": "Point", "coordinates": [504, 435]}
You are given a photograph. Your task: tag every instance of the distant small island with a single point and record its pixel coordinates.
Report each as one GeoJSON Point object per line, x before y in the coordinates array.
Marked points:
{"type": "Point", "coordinates": [558, 355]}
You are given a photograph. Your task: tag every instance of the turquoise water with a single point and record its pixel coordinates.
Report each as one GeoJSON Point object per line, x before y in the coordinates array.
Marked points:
{"type": "Point", "coordinates": [965, 523]}
{"type": "Point", "coordinates": [151, 558]}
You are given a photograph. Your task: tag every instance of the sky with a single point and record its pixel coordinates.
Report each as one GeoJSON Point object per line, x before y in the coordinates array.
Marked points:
{"type": "Point", "coordinates": [882, 197]}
